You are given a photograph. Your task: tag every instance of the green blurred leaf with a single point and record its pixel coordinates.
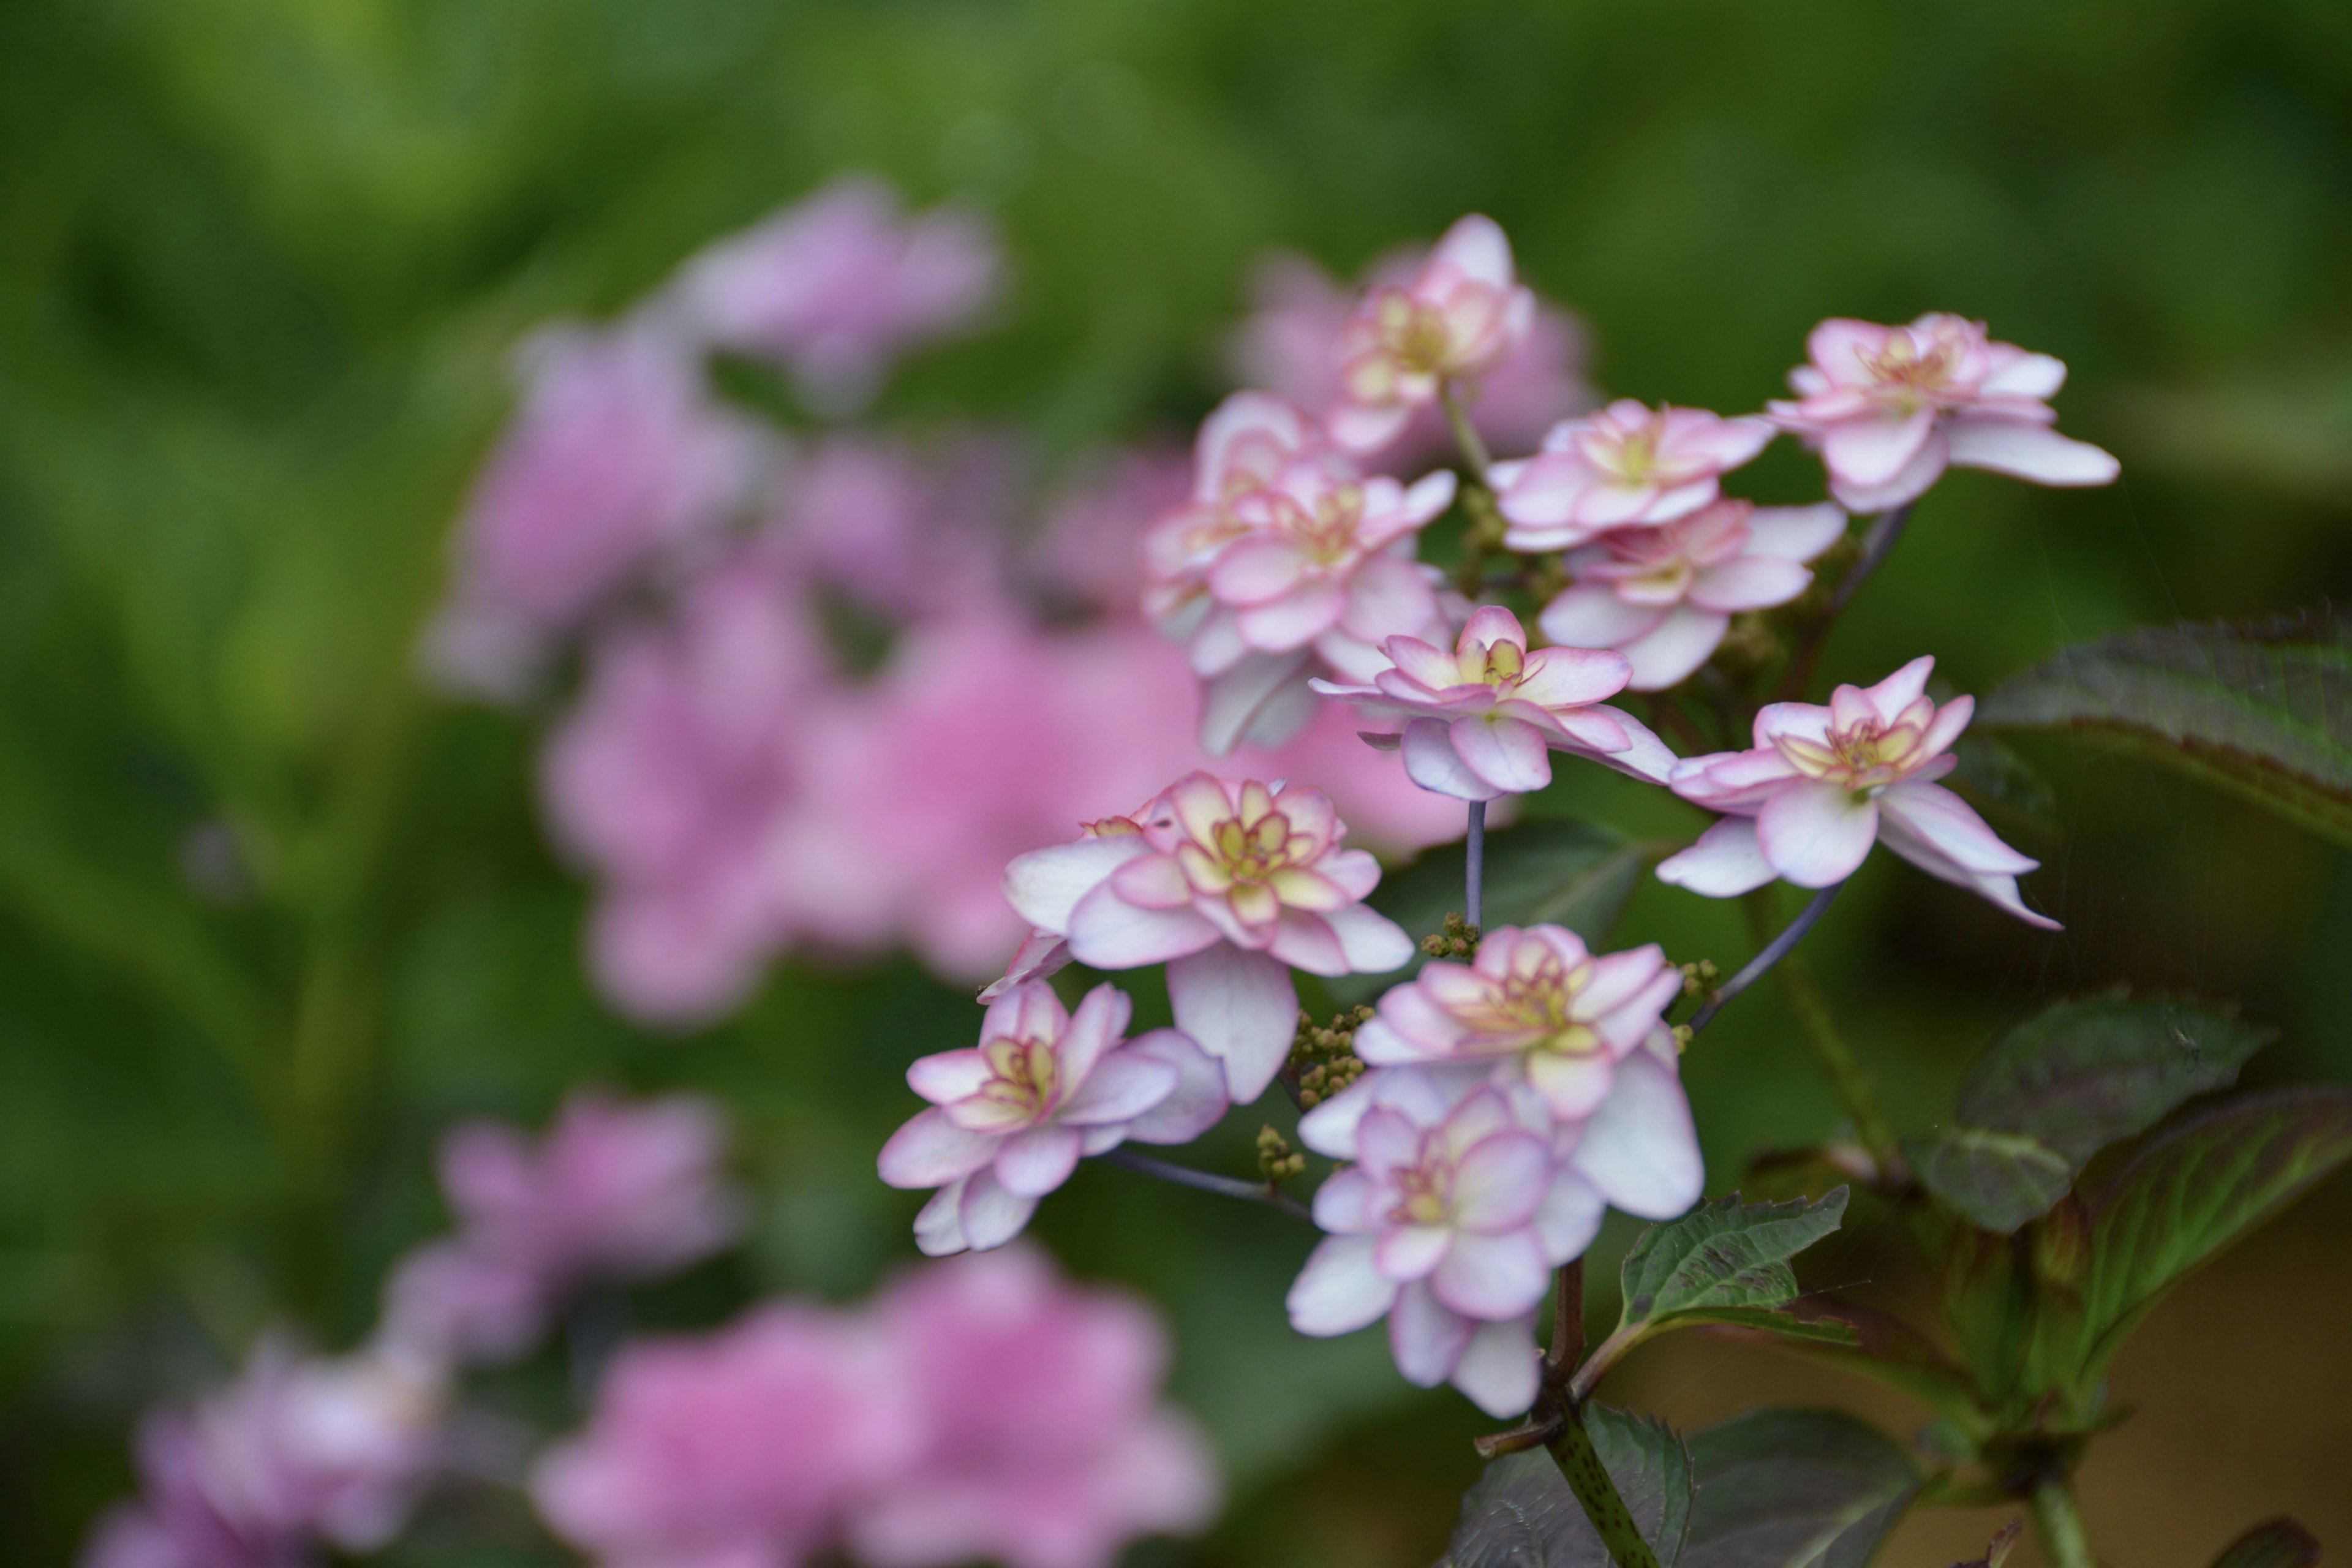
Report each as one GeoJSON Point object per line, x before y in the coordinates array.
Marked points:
{"type": "Point", "coordinates": [2278, 1543]}
{"type": "Point", "coordinates": [2194, 1189]}
{"type": "Point", "coordinates": [2263, 711]}
{"type": "Point", "coordinates": [1795, 1489]}
{"type": "Point", "coordinates": [1998, 1180]}
{"type": "Point", "coordinates": [1722, 1255]}
{"type": "Point", "coordinates": [1522, 1513]}
{"type": "Point", "coordinates": [1562, 871]}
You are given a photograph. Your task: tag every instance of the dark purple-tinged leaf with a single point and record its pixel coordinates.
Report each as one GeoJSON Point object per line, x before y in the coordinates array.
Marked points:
{"type": "Point", "coordinates": [2192, 1191]}
{"type": "Point", "coordinates": [2262, 710]}
{"type": "Point", "coordinates": [1999, 1181]}
{"type": "Point", "coordinates": [2279, 1543]}
{"type": "Point", "coordinates": [1795, 1489]}
{"type": "Point", "coordinates": [2083, 1074]}
{"type": "Point", "coordinates": [1722, 1254]}
{"type": "Point", "coordinates": [1997, 1551]}
{"type": "Point", "coordinates": [1521, 1514]}
{"type": "Point", "coordinates": [1867, 1341]}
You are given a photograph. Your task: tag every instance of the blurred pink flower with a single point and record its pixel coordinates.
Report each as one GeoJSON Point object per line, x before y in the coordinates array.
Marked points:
{"type": "Point", "coordinates": [451, 1301]}
{"type": "Point", "coordinates": [617, 455]}
{"type": "Point", "coordinates": [1824, 783]}
{"type": "Point", "coordinates": [1626, 465]}
{"type": "Point", "coordinates": [669, 778]}
{"type": "Point", "coordinates": [1663, 596]}
{"type": "Point", "coordinates": [298, 1451]}
{"type": "Point", "coordinates": [1228, 884]}
{"type": "Point", "coordinates": [1045, 1445]}
{"type": "Point", "coordinates": [737, 1450]}
{"type": "Point", "coordinates": [1481, 721]}
{"type": "Point", "coordinates": [1888, 407]}
{"type": "Point", "coordinates": [1290, 346]}
{"type": "Point", "coordinates": [1536, 1007]}
{"type": "Point", "coordinates": [842, 283]}
{"type": "Point", "coordinates": [1089, 554]}
{"type": "Point", "coordinates": [1010, 1120]}
{"type": "Point", "coordinates": [1459, 318]}
{"type": "Point", "coordinates": [1448, 1222]}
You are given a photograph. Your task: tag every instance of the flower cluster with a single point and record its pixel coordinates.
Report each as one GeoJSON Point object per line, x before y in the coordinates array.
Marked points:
{"type": "Point", "coordinates": [777, 636]}
{"type": "Point", "coordinates": [302, 1450]}
{"type": "Point", "coordinates": [981, 1408]}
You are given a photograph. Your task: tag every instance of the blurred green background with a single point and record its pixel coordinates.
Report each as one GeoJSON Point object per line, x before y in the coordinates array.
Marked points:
{"type": "Point", "coordinates": [261, 261]}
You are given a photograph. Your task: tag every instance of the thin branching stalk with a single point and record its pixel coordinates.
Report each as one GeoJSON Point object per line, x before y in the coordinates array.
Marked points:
{"type": "Point", "coordinates": [1774, 952]}
{"type": "Point", "coordinates": [1208, 1182]}
{"type": "Point", "coordinates": [1474, 866]}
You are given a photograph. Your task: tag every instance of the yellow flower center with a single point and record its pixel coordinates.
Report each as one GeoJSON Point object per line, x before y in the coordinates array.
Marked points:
{"type": "Point", "coordinates": [1024, 1075]}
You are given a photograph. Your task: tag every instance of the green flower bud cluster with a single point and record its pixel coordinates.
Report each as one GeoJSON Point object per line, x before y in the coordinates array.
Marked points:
{"type": "Point", "coordinates": [1323, 1056]}
{"type": "Point", "coordinates": [1458, 939]}
{"type": "Point", "coordinates": [1278, 1162]}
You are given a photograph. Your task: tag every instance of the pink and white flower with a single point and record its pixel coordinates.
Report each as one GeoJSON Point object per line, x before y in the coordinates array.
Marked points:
{"type": "Point", "coordinates": [841, 283]}
{"type": "Point", "coordinates": [1536, 1007]}
{"type": "Point", "coordinates": [1482, 720]}
{"type": "Point", "coordinates": [1665, 595]}
{"type": "Point", "coordinates": [1626, 465]}
{"type": "Point", "coordinates": [1045, 1443]}
{"type": "Point", "coordinates": [1889, 407]}
{"type": "Point", "coordinates": [1824, 784]}
{"type": "Point", "coordinates": [1460, 316]}
{"type": "Point", "coordinates": [1227, 883]}
{"type": "Point", "coordinates": [1011, 1118]}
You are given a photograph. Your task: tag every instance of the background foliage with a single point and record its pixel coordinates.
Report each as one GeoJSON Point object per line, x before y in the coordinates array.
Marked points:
{"type": "Point", "coordinates": [270, 915]}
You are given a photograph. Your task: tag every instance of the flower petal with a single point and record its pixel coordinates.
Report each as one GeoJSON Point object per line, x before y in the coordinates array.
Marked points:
{"type": "Point", "coordinates": [1592, 615]}
{"type": "Point", "coordinates": [1873, 447]}
{"type": "Point", "coordinates": [1498, 1184]}
{"type": "Point", "coordinates": [1338, 1291]}
{"type": "Point", "coordinates": [1725, 861]}
{"type": "Point", "coordinates": [1569, 1216]}
{"type": "Point", "coordinates": [931, 1150]}
{"type": "Point", "coordinates": [1670, 652]}
{"type": "Point", "coordinates": [1108, 932]}
{"type": "Point", "coordinates": [1346, 1204]}
{"type": "Point", "coordinates": [1031, 1164]}
{"type": "Point", "coordinates": [990, 1215]}
{"type": "Point", "coordinates": [1507, 755]}
{"type": "Point", "coordinates": [1370, 942]}
{"type": "Point", "coordinates": [1425, 1336]}
{"type": "Point", "coordinates": [1572, 1085]}
{"type": "Point", "coordinates": [1044, 885]}
{"type": "Point", "coordinates": [1241, 1008]}
{"type": "Point", "coordinates": [1491, 1277]}
{"type": "Point", "coordinates": [1407, 1252]}
{"type": "Point", "coordinates": [1795, 533]}
{"type": "Point", "coordinates": [939, 1228]}
{"type": "Point", "coordinates": [948, 1075]}
{"type": "Point", "coordinates": [2032, 452]}
{"type": "Point", "coordinates": [1748, 582]}
{"type": "Point", "coordinates": [1815, 833]}
{"type": "Point", "coordinates": [1123, 1085]}
{"type": "Point", "coordinates": [1235, 703]}
{"type": "Point", "coordinates": [1640, 1148]}
{"type": "Point", "coordinates": [1197, 1102]}
{"type": "Point", "coordinates": [1499, 1369]}
{"type": "Point", "coordinates": [1431, 762]}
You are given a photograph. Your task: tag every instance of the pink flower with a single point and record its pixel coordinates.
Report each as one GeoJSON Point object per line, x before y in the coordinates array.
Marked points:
{"type": "Point", "coordinates": [451, 1301]}
{"type": "Point", "coordinates": [1448, 1223]}
{"type": "Point", "coordinates": [1290, 345]}
{"type": "Point", "coordinates": [1482, 720]}
{"type": "Point", "coordinates": [671, 778]}
{"type": "Point", "coordinates": [1088, 553]}
{"type": "Point", "coordinates": [1010, 1120]}
{"type": "Point", "coordinates": [1824, 783]}
{"type": "Point", "coordinates": [1460, 316]}
{"type": "Point", "coordinates": [616, 456]}
{"type": "Point", "coordinates": [1888, 407]}
{"type": "Point", "coordinates": [1227, 883]}
{"type": "Point", "coordinates": [1045, 1444]}
{"type": "Point", "coordinates": [298, 1449]}
{"type": "Point", "coordinates": [1535, 1006]}
{"type": "Point", "coordinates": [737, 1450]}
{"type": "Point", "coordinates": [840, 284]}
{"type": "Point", "coordinates": [1663, 596]}
{"type": "Point", "coordinates": [1625, 465]}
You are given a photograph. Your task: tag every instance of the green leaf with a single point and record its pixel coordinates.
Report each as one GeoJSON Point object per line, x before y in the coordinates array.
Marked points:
{"type": "Point", "coordinates": [2083, 1074]}
{"type": "Point", "coordinates": [1803, 1331]}
{"type": "Point", "coordinates": [1795, 1489]}
{"type": "Point", "coordinates": [1722, 1255]}
{"type": "Point", "coordinates": [2279, 1543]}
{"type": "Point", "coordinates": [1522, 1513]}
{"type": "Point", "coordinates": [2262, 710]}
{"type": "Point", "coordinates": [1558, 871]}
{"type": "Point", "coordinates": [1998, 1180]}
{"type": "Point", "coordinates": [2195, 1189]}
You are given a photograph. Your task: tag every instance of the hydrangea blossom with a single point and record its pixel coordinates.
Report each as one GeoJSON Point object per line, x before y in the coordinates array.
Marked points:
{"type": "Point", "coordinates": [1482, 720]}
{"type": "Point", "coordinates": [1822, 784]}
{"type": "Point", "coordinates": [1460, 316]}
{"type": "Point", "coordinates": [1290, 345]}
{"type": "Point", "coordinates": [1889, 407]}
{"type": "Point", "coordinates": [300, 1449]}
{"type": "Point", "coordinates": [617, 457]}
{"type": "Point", "coordinates": [741, 1447]}
{"type": "Point", "coordinates": [1536, 1007]}
{"type": "Point", "coordinates": [1011, 1118]}
{"type": "Point", "coordinates": [1226, 882]}
{"type": "Point", "coordinates": [1044, 1444]}
{"type": "Point", "coordinates": [614, 1190]}
{"type": "Point", "coordinates": [1625, 465]}
{"type": "Point", "coordinates": [1663, 596]}
{"type": "Point", "coordinates": [839, 284]}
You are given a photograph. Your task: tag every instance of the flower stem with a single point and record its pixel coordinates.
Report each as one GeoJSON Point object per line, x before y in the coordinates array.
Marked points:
{"type": "Point", "coordinates": [1572, 1452]}
{"type": "Point", "coordinates": [1466, 435]}
{"type": "Point", "coordinates": [1835, 1058]}
{"type": "Point", "coordinates": [1207, 1182]}
{"type": "Point", "coordinates": [2056, 1518]}
{"type": "Point", "coordinates": [1473, 866]}
{"type": "Point", "coordinates": [1774, 952]}
{"type": "Point", "coordinates": [1878, 543]}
